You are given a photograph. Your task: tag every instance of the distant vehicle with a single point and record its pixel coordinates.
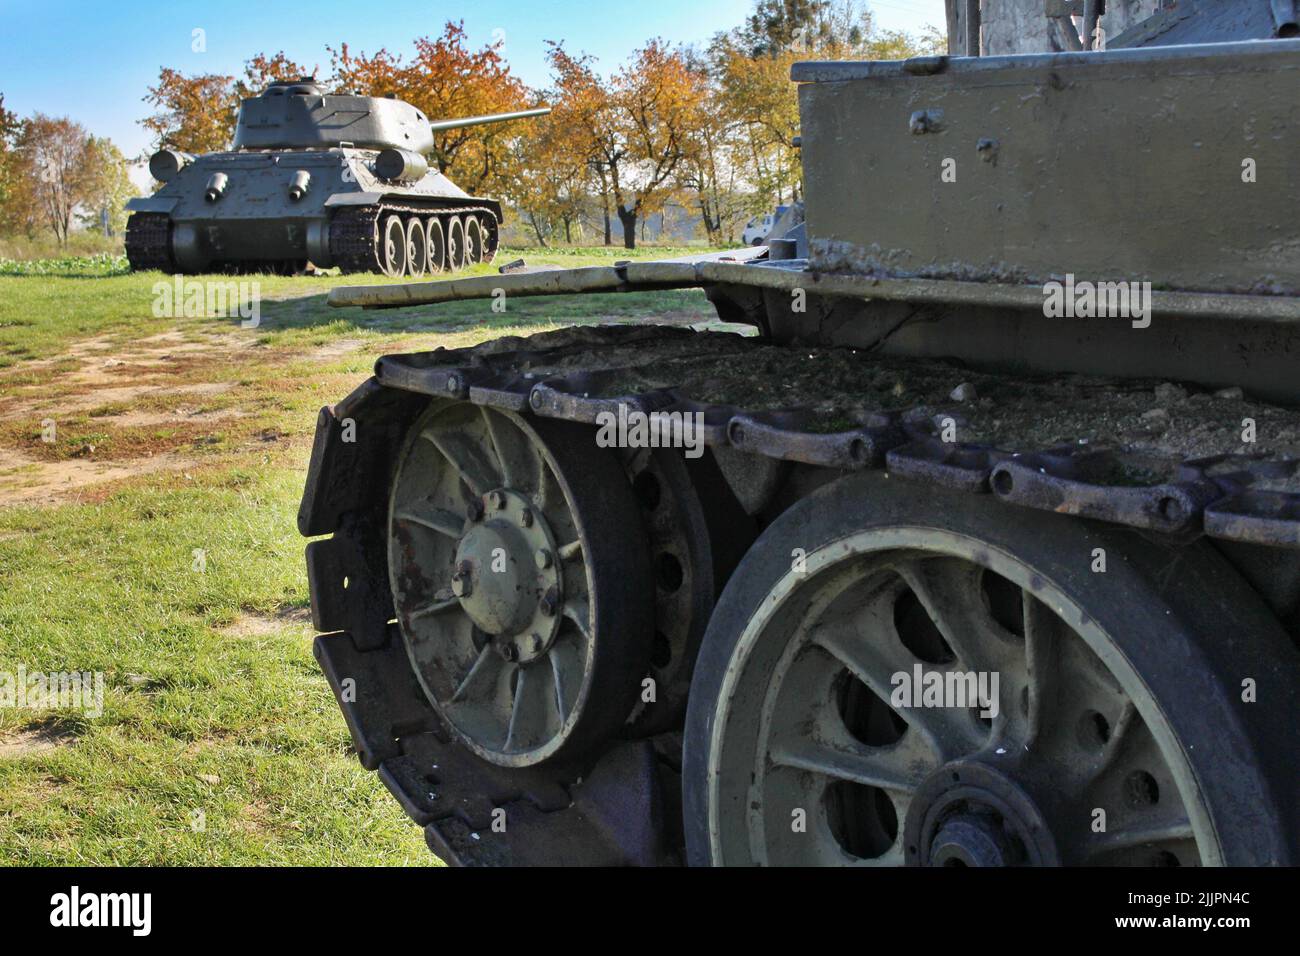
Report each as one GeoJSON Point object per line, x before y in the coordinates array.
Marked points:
{"type": "Point", "coordinates": [333, 179]}
{"type": "Point", "coordinates": [758, 228]}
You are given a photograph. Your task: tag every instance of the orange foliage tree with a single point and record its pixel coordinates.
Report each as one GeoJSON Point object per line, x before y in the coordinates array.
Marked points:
{"type": "Point", "coordinates": [633, 131]}
{"type": "Point", "coordinates": [196, 114]}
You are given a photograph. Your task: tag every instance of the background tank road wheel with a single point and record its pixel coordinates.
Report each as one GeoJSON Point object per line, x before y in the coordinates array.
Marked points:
{"type": "Point", "coordinates": [417, 253]}
{"type": "Point", "coordinates": [455, 244]}
{"type": "Point", "coordinates": [518, 564]}
{"type": "Point", "coordinates": [1119, 693]}
{"type": "Point", "coordinates": [436, 258]}
{"type": "Point", "coordinates": [473, 241]}
{"type": "Point", "coordinates": [394, 246]}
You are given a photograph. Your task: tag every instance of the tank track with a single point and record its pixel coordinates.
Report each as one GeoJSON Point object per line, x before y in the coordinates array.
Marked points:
{"type": "Point", "coordinates": [576, 374]}
{"type": "Point", "coordinates": [148, 242]}
{"type": "Point", "coordinates": [765, 439]}
{"type": "Point", "coordinates": [354, 232]}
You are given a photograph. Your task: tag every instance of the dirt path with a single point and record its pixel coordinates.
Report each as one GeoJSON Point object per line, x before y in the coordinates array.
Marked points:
{"type": "Point", "coordinates": [154, 396]}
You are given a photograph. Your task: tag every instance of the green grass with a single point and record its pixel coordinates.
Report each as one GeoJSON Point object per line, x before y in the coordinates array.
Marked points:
{"type": "Point", "coordinates": [205, 717]}
{"type": "Point", "coordinates": [57, 301]}
{"type": "Point", "coordinates": [240, 729]}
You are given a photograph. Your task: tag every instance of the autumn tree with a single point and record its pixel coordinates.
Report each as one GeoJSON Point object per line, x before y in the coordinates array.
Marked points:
{"type": "Point", "coordinates": [751, 67]}
{"type": "Point", "coordinates": [19, 208]}
{"type": "Point", "coordinates": [552, 184]}
{"type": "Point", "coordinates": [659, 104]}
{"type": "Point", "coordinates": [57, 161]}
{"type": "Point", "coordinates": [196, 114]}
{"type": "Point", "coordinates": [583, 126]}
{"type": "Point", "coordinates": [710, 175]}
{"type": "Point", "coordinates": [9, 128]}
{"type": "Point", "coordinates": [775, 26]}
{"type": "Point", "coordinates": [632, 131]}
{"type": "Point", "coordinates": [106, 188]}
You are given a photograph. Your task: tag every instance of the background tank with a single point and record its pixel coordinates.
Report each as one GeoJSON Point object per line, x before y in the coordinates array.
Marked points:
{"type": "Point", "coordinates": [313, 177]}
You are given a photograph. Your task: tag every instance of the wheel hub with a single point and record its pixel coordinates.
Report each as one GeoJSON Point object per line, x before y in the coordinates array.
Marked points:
{"type": "Point", "coordinates": [969, 813]}
{"type": "Point", "coordinates": [506, 576]}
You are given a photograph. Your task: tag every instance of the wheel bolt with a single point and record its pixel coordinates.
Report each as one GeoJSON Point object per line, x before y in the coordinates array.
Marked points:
{"type": "Point", "coordinates": [543, 558]}
{"type": "Point", "coordinates": [509, 651]}
{"type": "Point", "coordinates": [550, 603]}
{"type": "Point", "coordinates": [538, 643]}
{"type": "Point", "coordinates": [453, 384]}
{"type": "Point", "coordinates": [526, 517]}
{"type": "Point", "coordinates": [498, 500]}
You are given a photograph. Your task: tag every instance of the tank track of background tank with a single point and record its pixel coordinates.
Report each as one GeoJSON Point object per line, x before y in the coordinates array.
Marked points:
{"type": "Point", "coordinates": [354, 232]}
{"type": "Point", "coordinates": [577, 373]}
{"type": "Point", "coordinates": [148, 242]}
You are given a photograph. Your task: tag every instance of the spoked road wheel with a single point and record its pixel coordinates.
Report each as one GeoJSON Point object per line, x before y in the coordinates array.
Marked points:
{"type": "Point", "coordinates": [1115, 733]}
{"type": "Point", "coordinates": [455, 244]}
{"type": "Point", "coordinates": [518, 563]}
{"type": "Point", "coordinates": [473, 241]}
{"type": "Point", "coordinates": [436, 259]}
{"type": "Point", "coordinates": [394, 246]}
{"type": "Point", "coordinates": [417, 253]}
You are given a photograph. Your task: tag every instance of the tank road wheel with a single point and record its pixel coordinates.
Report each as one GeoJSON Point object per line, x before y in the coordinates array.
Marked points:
{"type": "Point", "coordinates": [417, 253]}
{"type": "Point", "coordinates": [1119, 737]}
{"type": "Point", "coordinates": [436, 257]}
{"type": "Point", "coordinates": [490, 236]}
{"type": "Point", "coordinates": [518, 564]}
{"type": "Point", "coordinates": [394, 246]}
{"type": "Point", "coordinates": [473, 241]}
{"type": "Point", "coordinates": [455, 244]}
{"type": "Point", "coordinates": [697, 533]}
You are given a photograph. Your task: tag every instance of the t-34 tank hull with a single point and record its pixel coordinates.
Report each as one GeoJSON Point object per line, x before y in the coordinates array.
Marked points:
{"type": "Point", "coordinates": [337, 181]}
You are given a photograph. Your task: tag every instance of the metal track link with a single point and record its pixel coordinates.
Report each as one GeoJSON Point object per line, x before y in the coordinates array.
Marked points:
{"type": "Point", "coordinates": [578, 373]}
{"type": "Point", "coordinates": [148, 242]}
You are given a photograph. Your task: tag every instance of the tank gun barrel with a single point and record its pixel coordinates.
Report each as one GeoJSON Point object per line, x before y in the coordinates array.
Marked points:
{"type": "Point", "coordinates": [439, 125]}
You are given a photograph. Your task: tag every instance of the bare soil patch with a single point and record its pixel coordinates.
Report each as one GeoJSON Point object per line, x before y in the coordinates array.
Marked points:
{"type": "Point", "coordinates": [150, 402]}
{"type": "Point", "coordinates": [32, 741]}
{"type": "Point", "coordinates": [258, 624]}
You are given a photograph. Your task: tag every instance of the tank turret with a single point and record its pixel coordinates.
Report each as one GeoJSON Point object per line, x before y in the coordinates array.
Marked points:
{"type": "Point", "coordinates": [331, 179]}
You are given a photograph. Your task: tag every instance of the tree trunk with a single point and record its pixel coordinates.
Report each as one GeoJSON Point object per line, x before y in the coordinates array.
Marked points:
{"type": "Point", "coordinates": [628, 218]}
{"type": "Point", "coordinates": [702, 202]}
{"type": "Point", "coordinates": [609, 235]}
{"type": "Point", "coordinates": [537, 230]}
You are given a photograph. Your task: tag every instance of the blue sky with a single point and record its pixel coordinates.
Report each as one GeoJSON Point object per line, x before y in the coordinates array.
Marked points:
{"type": "Point", "coordinates": [93, 59]}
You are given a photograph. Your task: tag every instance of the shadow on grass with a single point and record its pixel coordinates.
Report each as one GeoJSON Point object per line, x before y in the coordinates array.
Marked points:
{"type": "Point", "coordinates": [682, 306]}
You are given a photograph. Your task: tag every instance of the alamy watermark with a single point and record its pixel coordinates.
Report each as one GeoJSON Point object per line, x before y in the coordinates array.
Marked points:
{"type": "Point", "coordinates": [1105, 300]}
{"type": "Point", "coordinates": [39, 690]}
{"type": "Point", "coordinates": [963, 689]}
{"type": "Point", "coordinates": [632, 428]}
{"type": "Point", "coordinates": [193, 299]}
{"type": "Point", "coordinates": [133, 911]}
